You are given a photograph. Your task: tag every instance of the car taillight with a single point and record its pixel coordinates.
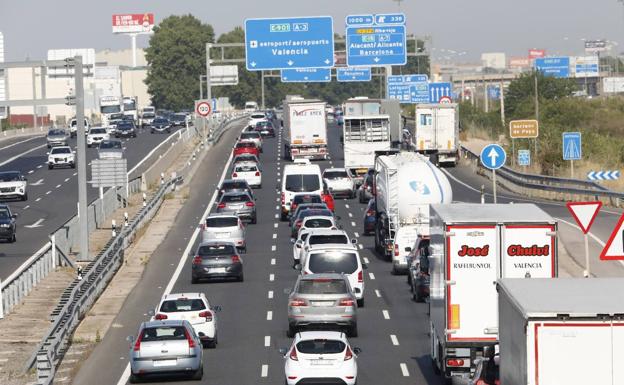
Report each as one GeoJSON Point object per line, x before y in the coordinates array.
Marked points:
{"type": "Point", "coordinates": [348, 354]}
{"type": "Point", "coordinates": [235, 259]}
{"type": "Point", "coordinates": [293, 354]}
{"type": "Point", "coordinates": [396, 249]}
{"type": "Point", "coordinates": [257, 173]}
{"type": "Point", "coordinates": [370, 213]}
{"type": "Point", "coordinates": [360, 276]}
{"type": "Point", "coordinates": [137, 343]}
{"type": "Point", "coordinates": [250, 204]}
{"type": "Point", "coordinates": [189, 339]}
{"type": "Point", "coordinates": [298, 223]}
{"type": "Point", "coordinates": [234, 175]}
{"type": "Point", "coordinates": [455, 362]}
{"type": "Point", "coordinates": [346, 302]}
{"type": "Point", "coordinates": [207, 315]}
{"type": "Point", "coordinates": [221, 205]}
{"type": "Point", "coordinates": [283, 198]}
{"type": "Point", "coordinates": [295, 302]}
{"type": "Point", "coordinates": [197, 260]}
{"type": "Point", "coordinates": [160, 316]}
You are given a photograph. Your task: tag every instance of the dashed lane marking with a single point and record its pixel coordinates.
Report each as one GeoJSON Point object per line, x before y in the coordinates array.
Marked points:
{"type": "Point", "coordinates": [269, 315]}
{"type": "Point", "coordinates": [371, 276]}
{"type": "Point", "coordinates": [352, 223]}
{"type": "Point", "coordinates": [58, 186]}
{"type": "Point", "coordinates": [273, 248]}
{"type": "Point", "coordinates": [404, 370]}
{"type": "Point", "coordinates": [270, 295]}
{"type": "Point", "coordinates": [37, 200]}
{"type": "Point", "coordinates": [366, 261]}
{"type": "Point", "coordinates": [272, 261]}
{"type": "Point", "coordinates": [274, 236]}
{"type": "Point", "coordinates": [350, 215]}
{"type": "Point", "coordinates": [360, 246]}
{"type": "Point", "coordinates": [267, 341]}
{"type": "Point", "coordinates": [39, 166]}
{"type": "Point", "coordinates": [277, 207]}
{"type": "Point", "coordinates": [49, 192]}
{"type": "Point", "coordinates": [356, 234]}
{"type": "Point", "coordinates": [66, 180]}
{"type": "Point", "coordinates": [385, 313]}
{"type": "Point", "coordinates": [271, 277]}
{"type": "Point", "coordinates": [275, 225]}
{"type": "Point", "coordinates": [276, 216]}
{"type": "Point", "coordinates": [31, 171]}
{"type": "Point", "coordinates": [394, 339]}
{"type": "Point", "coordinates": [346, 205]}
{"type": "Point", "coordinates": [265, 371]}
{"type": "Point", "coordinates": [25, 208]}
{"type": "Point", "coordinates": [377, 293]}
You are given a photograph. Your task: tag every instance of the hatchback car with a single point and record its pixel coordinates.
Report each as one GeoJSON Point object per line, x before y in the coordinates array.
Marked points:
{"type": "Point", "coordinates": [8, 227]}
{"type": "Point", "coordinates": [246, 148]}
{"type": "Point", "coordinates": [216, 260]}
{"type": "Point", "coordinates": [322, 301]}
{"type": "Point", "coordinates": [339, 182]}
{"type": "Point", "coordinates": [252, 136]}
{"type": "Point", "coordinates": [245, 158]}
{"type": "Point", "coordinates": [192, 307]}
{"type": "Point", "coordinates": [321, 237]}
{"type": "Point", "coordinates": [160, 125]}
{"type": "Point", "coordinates": [265, 128]}
{"type": "Point", "coordinates": [318, 222]}
{"type": "Point", "coordinates": [228, 228]}
{"type": "Point", "coordinates": [110, 149]}
{"type": "Point", "coordinates": [126, 128]}
{"type": "Point", "coordinates": [234, 185]}
{"type": "Point", "coordinates": [96, 135]}
{"type": "Point", "coordinates": [62, 156]}
{"type": "Point", "coordinates": [249, 172]}
{"type": "Point", "coordinates": [166, 347]}
{"type": "Point", "coordinates": [238, 203]}
{"type": "Point", "coordinates": [13, 184]}
{"type": "Point", "coordinates": [320, 357]}
{"type": "Point", "coordinates": [56, 137]}
{"type": "Point", "coordinates": [298, 221]}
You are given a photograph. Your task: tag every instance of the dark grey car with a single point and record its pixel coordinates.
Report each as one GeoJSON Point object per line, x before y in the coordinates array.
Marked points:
{"type": "Point", "coordinates": [216, 260]}
{"type": "Point", "coordinates": [234, 185]}
{"type": "Point", "coordinates": [238, 203]}
{"type": "Point", "coordinates": [7, 224]}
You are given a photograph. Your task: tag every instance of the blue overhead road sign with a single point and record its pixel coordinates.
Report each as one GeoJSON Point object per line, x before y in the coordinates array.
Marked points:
{"type": "Point", "coordinates": [572, 146]}
{"type": "Point", "coordinates": [379, 43]}
{"type": "Point", "coordinates": [558, 67]}
{"type": "Point", "coordinates": [355, 20]}
{"type": "Point", "coordinates": [353, 74]}
{"type": "Point", "coordinates": [390, 18]}
{"type": "Point", "coordinates": [493, 156]}
{"type": "Point", "coordinates": [302, 75]}
{"type": "Point", "coordinates": [304, 42]}
{"type": "Point", "coordinates": [439, 90]}
{"type": "Point", "coordinates": [408, 88]}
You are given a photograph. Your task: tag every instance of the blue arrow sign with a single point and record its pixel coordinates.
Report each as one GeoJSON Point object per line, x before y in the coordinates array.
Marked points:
{"type": "Point", "coordinates": [378, 44]}
{"type": "Point", "coordinates": [493, 156]}
{"type": "Point", "coordinates": [494, 92]}
{"type": "Point", "coordinates": [302, 75]}
{"type": "Point", "coordinates": [603, 175]}
{"type": "Point", "coordinates": [439, 90]}
{"type": "Point", "coordinates": [524, 157]}
{"type": "Point", "coordinates": [558, 67]}
{"type": "Point", "coordinates": [353, 74]}
{"type": "Point", "coordinates": [572, 146]}
{"type": "Point", "coordinates": [305, 42]}
{"type": "Point", "coordinates": [408, 88]}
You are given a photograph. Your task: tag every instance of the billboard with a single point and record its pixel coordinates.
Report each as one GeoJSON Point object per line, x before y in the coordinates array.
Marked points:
{"type": "Point", "coordinates": [558, 67]}
{"type": "Point", "coordinates": [519, 62]}
{"type": "Point", "coordinates": [613, 85]}
{"type": "Point", "coordinates": [536, 53]}
{"type": "Point", "coordinates": [133, 23]}
{"type": "Point", "coordinates": [586, 66]}
{"type": "Point", "coordinates": [593, 46]}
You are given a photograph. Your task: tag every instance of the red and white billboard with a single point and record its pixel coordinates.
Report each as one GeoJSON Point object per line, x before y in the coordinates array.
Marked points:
{"type": "Point", "coordinates": [133, 23]}
{"type": "Point", "coordinates": [519, 62]}
{"type": "Point", "coordinates": [536, 53]}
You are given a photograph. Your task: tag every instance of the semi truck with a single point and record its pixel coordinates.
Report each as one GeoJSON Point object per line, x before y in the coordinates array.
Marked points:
{"type": "Point", "coordinates": [561, 331]}
{"type": "Point", "coordinates": [437, 132]}
{"type": "Point", "coordinates": [109, 105]}
{"type": "Point", "coordinates": [406, 183]}
{"type": "Point", "coordinates": [471, 247]}
{"type": "Point", "coordinates": [306, 129]}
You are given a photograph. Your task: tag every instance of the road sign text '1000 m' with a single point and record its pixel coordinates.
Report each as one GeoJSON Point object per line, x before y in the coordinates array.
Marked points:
{"type": "Point", "coordinates": [284, 43]}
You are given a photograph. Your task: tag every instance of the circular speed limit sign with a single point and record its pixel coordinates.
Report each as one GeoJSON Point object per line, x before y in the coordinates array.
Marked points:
{"type": "Point", "coordinates": [203, 109]}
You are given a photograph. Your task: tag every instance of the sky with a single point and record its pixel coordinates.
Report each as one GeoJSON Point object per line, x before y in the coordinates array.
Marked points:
{"type": "Point", "coordinates": [31, 27]}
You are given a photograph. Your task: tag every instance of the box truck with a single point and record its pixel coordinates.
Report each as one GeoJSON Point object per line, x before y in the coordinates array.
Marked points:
{"type": "Point", "coordinates": [561, 331]}
{"type": "Point", "coordinates": [306, 129]}
{"type": "Point", "coordinates": [471, 247]}
{"type": "Point", "coordinates": [406, 183]}
{"type": "Point", "coordinates": [437, 132]}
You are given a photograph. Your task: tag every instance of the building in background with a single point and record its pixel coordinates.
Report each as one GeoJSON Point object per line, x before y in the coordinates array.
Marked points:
{"type": "Point", "coordinates": [495, 60]}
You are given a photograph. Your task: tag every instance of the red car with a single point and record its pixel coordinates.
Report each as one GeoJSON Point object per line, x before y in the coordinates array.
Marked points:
{"type": "Point", "coordinates": [246, 148]}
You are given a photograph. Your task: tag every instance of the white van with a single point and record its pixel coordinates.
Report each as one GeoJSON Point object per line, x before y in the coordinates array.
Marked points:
{"type": "Point", "coordinates": [404, 239]}
{"type": "Point", "coordinates": [251, 106]}
{"type": "Point", "coordinates": [299, 178]}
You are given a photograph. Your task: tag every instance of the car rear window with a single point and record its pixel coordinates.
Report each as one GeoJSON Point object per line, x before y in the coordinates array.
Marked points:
{"type": "Point", "coordinates": [221, 222]}
{"type": "Point", "coordinates": [311, 198]}
{"type": "Point", "coordinates": [311, 212]}
{"type": "Point", "coordinates": [302, 182]}
{"type": "Point", "coordinates": [320, 346]}
{"type": "Point", "coordinates": [4, 214]}
{"type": "Point", "coordinates": [182, 304]}
{"type": "Point", "coordinates": [235, 198]}
{"type": "Point", "coordinates": [234, 185]}
{"type": "Point", "coordinates": [163, 333]}
{"type": "Point", "coordinates": [246, 168]}
{"type": "Point", "coordinates": [245, 158]}
{"type": "Point", "coordinates": [315, 223]}
{"type": "Point", "coordinates": [333, 262]}
{"type": "Point", "coordinates": [249, 135]}
{"type": "Point", "coordinates": [245, 144]}
{"type": "Point", "coordinates": [209, 250]}
{"type": "Point", "coordinates": [111, 144]}
{"type": "Point", "coordinates": [335, 174]}
{"type": "Point", "coordinates": [322, 286]}
{"type": "Point", "coordinates": [334, 238]}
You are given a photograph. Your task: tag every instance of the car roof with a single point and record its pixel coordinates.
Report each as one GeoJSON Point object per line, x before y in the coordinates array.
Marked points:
{"type": "Point", "coordinates": [228, 181]}
{"type": "Point", "coordinates": [335, 246]}
{"type": "Point", "coordinates": [57, 147]}
{"type": "Point", "coordinates": [222, 216]}
{"type": "Point", "coordinates": [216, 243]}
{"type": "Point", "coordinates": [335, 169]}
{"type": "Point", "coordinates": [233, 193]}
{"type": "Point", "coordinates": [167, 322]}
{"type": "Point", "coordinates": [318, 213]}
{"type": "Point", "coordinates": [329, 232]}
{"type": "Point", "coordinates": [173, 296]}
{"type": "Point", "coordinates": [246, 163]}
{"type": "Point", "coordinates": [320, 335]}
{"type": "Point", "coordinates": [322, 276]}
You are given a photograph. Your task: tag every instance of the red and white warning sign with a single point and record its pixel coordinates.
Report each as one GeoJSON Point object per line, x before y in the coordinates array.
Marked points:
{"type": "Point", "coordinates": [614, 249]}
{"type": "Point", "coordinates": [203, 108]}
{"type": "Point", "coordinates": [584, 213]}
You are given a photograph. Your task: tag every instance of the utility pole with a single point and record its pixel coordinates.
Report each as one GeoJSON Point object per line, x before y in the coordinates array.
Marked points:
{"type": "Point", "coordinates": [502, 103]}
{"type": "Point", "coordinates": [262, 101]}
{"type": "Point", "coordinates": [81, 161]}
{"type": "Point", "coordinates": [208, 85]}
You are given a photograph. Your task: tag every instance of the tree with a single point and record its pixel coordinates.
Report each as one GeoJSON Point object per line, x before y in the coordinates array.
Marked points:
{"type": "Point", "coordinates": [176, 57]}
{"type": "Point", "coordinates": [521, 92]}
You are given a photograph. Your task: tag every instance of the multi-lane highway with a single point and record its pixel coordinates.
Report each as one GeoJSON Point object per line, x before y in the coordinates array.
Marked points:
{"type": "Point", "coordinates": [393, 330]}
{"type": "Point", "coordinates": [52, 194]}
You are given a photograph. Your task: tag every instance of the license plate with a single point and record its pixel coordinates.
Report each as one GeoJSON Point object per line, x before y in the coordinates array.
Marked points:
{"type": "Point", "coordinates": [222, 235]}
{"type": "Point", "coordinates": [322, 303]}
{"type": "Point", "coordinates": [165, 363]}
{"type": "Point", "coordinates": [217, 270]}
{"type": "Point", "coordinates": [321, 362]}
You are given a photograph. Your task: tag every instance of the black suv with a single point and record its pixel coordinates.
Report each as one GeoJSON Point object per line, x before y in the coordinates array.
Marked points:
{"type": "Point", "coordinates": [7, 224]}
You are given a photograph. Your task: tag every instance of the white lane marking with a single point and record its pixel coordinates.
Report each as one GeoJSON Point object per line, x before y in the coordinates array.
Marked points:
{"type": "Point", "coordinates": [31, 171]}
{"type": "Point", "coordinates": [371, 275]}
{"type": "Point", "coordinates": [360, 246]}
{"type": "Point", "coordinates": [269, 315]}
{"type": "Point", "coordinates": [265, 371]}
{"type": "Point", "coordinates": [278, 179]}
{"type": "Point", "coordinates": [377, 293]}
{"type": "Point", "coordinates": [356, 235]}
{"type": "Point", "coordinates": [66, 180]}
{"type": "Point", "coordinates": [353, 224]}
{"type": "Point", "coordinates": [275, 225]}
{"type": "Point", "coordinates": [58, 186]}
{"type": "Point", "coordinates": [274, 236]}
{"type": "Point", "coordinates": [49, 192]}
{"type": "Point", "coordinates": [277, 207]}
{"type": "Point", "coordinates": [350, 215]}
{"type": "Point", "coordinates": [270, 294]}
{"type": "Point", "coordinates": [346, 205]}
{"type": "Point", "coordinates": [272, 261]}
{"type": "Point", "coordinates": [37, 183]}
{"type": "Point", "coordinates": [22, 154]}
{"type": "Point", "coordinates": [278, 173]}
{"type": "Point", "coordinates": [37, 200]}
{"type": "Point", "coordinates": [276, 216]}
{"type": "Point", "coordinates": [404, 370]}
{"type": "Point", "coordinates": [36, 224]}
{"type": "Point", "coordinates": [16, 143]}
{"type": "Point", "coordinates": [394, 339]}
{"type": "Point", "coordinates": [271, 277]}
{"type": "Point", "coordinates": [273, 248]}
{"type": "Point", "coordinates": [277, 199]}
{"type": "Point", "coordinates": [385, 313]}
{"type": "Point", "coordinates": [74, 174]}
{"type": "Point", "coordinates": [267, 341]}
{"type": "Point", "coordinates": [366, 261]}
{"type": "Point", "coordinates": [26, 207]}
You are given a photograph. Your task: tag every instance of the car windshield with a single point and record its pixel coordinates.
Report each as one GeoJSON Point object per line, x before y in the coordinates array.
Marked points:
{"type": "Point", "coordinates": [148, 115]}
{"type": "Point", "coordinates": [322, 286]}
{"type": "Point", "coordinates": [179, 117]}
{"type": "Point", "coordinates": [56, 132]}
{"type": "Point", "coordinates": [4, 214]}
{"type": "Point", "coordinates": [307, 198]}
{"type": "Point", "coordinates": [235, 198]}
{"type": "Point", "coordinates": [116, 116]}
{"type": "Point", "coordinates": [97, 131]}
{"type": "Point", "coordinates": [333, 262]}
{"type": "Point", "coordinates": [60, 151]}
{"type": "Point", "coordinates": [302, 182]}
{"type": "Point", "coordinates": [182, 304]}
{"type": "Point", "coordinates": [9, 176]}
{"type": "Point", "coordinates": [257, 116]}
{"type": "Point", "coordinates": [220, 249]}
{"type": "Point", "coordinates": [110, 144]}
{"type": "Point", "coordinates": [222, 222]}
{"type": "Point", "coordinates": [110, 109]}
{"type": "Point", "coordinates": [245, 144]}
{"type": "Point", "coordinates": [329, 238]}
{"type": "Point", "coordinates": [335, 174]}
{"type": "Point", "coordinates": [125, 125]}
{"type": "Point", "coordinates": [246, 168]}
{"type": "Point", "coordinates": [263, 123]}
{"type": "Point", "coordinates": [321, 346]}
{"type": "Point", "coordinates": [163, 333]}
{"type": "Point", "coordinates": [316, 223]}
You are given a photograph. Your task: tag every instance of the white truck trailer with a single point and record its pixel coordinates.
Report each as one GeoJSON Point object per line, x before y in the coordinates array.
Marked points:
{"type": "Point", "coordinates": [306, 129]}
{"type": "Point", "coordinates": [561, 331]}
{"type": "Point", "coordinates": [437, 132]}
{"type": "Point", "coordinates": [109, 105]}
{"type": "Point", "coordinates": [406, 183]}
{"type": "Point", "coordinates": [472, 246]}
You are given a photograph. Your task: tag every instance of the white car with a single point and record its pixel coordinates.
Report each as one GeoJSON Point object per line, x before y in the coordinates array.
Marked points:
{"type": "Point", "coordinates": [256, 117]}
{"type": "Point", "coordinates": [339, 182]}
{"type": "Point", "coordinates": [318, 238]}
{"type": "Point", "coordinates": [314, 222]}
{"type": "Point", "coordinates": [61, 156]}
{"type": "Point", "coordinates": [192, 307]}
{"type": "Point", "coordinates": [226, 228]}
{"type": "Point", "coordinates": [298, 246]}
{"type": "Point", "coordinates": [73, 126]}
{"type": "Point", "coordinates": [96, 135]}
{"type": "Point", "coordinates": [249, 172]}
{"type": "Point", "coordinates": [13, 185]}
{"type": "Point", "coordinates": [320, 356]}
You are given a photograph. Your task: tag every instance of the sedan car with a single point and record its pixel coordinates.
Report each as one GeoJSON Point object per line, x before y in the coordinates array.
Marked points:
{"type": "Point", "coordinates": [216, 259]}
{"type": "Point", "coordinates": [234, 185]}
{"type": "Point", "coordinates": [322, 300]}
{"type": "Point", "coordinates": [126, 128]}
{"type": "Point", "coordinates": [249, 172]}
{"type": "Point", "coordinates": [13, 185]}
{"type": "Point", "coordinates": [227, 228]}
{"type": "Point", "coordinates": [251, 136]}
{"type": "Point", "coordinates": [96, 135]}
{"type": "Point", "coordinates": [178, 120]}
{"type": "Point", "coordinates": [160, 125]}
{"type": "Point", "coordinates": [193, 307]}
{"type": "Point", "coordinates": [238, 203]}
{"type": "Point", "coordinates": [246, 148]}
{"type": "Point", "coordinates": [56, 137]}
{"type": "Point", "coordinates": [147, 118]}
{"type": "Point", "coordinates": [110, 149]}
{"type": "Point", "coordinates": [8, 227]}
{"type": "Point", "coordinates": [166, 347]}
{"type": "Point", "coordinates": [320, 357]}
{"type": "Point", "coordinates": [339, 182]}
{"type": "Point", "coordinates": [61, 157]}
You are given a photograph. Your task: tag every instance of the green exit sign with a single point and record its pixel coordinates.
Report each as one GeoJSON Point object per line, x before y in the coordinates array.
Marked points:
{"type": "Point", "coordinates": [285, 27]}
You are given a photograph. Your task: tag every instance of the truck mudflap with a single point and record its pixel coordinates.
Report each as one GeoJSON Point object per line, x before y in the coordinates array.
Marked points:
{"type": "Point", "coordinates": [311, 152]}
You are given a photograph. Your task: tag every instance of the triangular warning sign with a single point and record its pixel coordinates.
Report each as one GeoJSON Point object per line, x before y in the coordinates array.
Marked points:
{"type": "Point", "coordinates": [584, 213]}
{"type": "Point", "coordinates": [614, 249]}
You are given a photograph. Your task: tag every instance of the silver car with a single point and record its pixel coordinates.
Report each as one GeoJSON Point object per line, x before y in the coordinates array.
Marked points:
{"type": "Point", "coordinates": [226, 228]}
{"type": "Point", "coordinates": [240, 204]}
{"type": "Point", "coordinates": [339, 182]}
{"type": "Point", "coordinates": [110, 149]}
{"type": "Point", "coordinates": [322, 300]}
{"type": "Point", "coordinates": [56, 137]}
{"type": "Point", "coordinates": [166, 347]}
